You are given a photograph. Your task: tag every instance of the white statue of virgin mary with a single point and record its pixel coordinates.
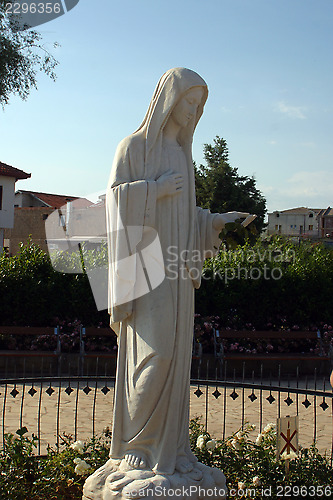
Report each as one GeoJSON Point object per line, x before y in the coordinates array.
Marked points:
{"type": "Point", "coordinates": [152, 186]}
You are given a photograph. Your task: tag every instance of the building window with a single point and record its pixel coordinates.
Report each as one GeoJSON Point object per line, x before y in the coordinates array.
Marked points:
{"type": "Point", "coordinates": [62, 221]}
{"type": "Point", "coordinates": [310, 227]}
{"type": "Point", "coordinates": [310, 215]}
{"type": "Point", "coordinates": [1, 188]}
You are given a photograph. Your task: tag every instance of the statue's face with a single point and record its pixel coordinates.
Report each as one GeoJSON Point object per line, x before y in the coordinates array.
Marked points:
{"type": "Point", "coordinates": [187, 107]}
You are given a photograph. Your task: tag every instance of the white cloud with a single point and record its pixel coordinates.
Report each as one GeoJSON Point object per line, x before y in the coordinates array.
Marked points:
{"type": "Point", "coordinates": [307, 189]}
{"type": "Point", "coordinates": [311, 184]}
{"type": "Point", "coordinates": [265, 189]}
{"type": "Point", "coordinates": [291, 111]}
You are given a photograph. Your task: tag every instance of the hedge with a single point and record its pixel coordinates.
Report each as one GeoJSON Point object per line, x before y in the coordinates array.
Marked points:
{"type": "Point", "coordinates": [266, 285]}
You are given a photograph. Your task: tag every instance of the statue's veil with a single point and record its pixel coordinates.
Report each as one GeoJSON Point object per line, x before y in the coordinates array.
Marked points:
{"type": "Point", "coordinates": [136, 165]}
{"type": "Point", "coordinates": [169, 90]}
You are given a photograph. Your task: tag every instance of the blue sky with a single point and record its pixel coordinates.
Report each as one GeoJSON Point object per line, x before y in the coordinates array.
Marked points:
{"type": "Point", "coordinates": [267, 63]}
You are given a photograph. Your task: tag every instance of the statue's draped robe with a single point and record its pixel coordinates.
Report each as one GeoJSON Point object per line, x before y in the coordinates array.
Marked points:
{"type": "Point", "coordinates": [151, 413]}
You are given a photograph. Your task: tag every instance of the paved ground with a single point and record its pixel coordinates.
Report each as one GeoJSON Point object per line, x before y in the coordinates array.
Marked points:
{"type": "Point", "coordinates": [81, 415]}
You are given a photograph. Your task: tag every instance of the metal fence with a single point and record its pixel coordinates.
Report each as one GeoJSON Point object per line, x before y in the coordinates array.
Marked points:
{"type": "Point", "coordinates": [41, 365]}
{"type": "Point", "coordinates": [50, 406]}
{"type": "Point", "coordinates": [58, 362]}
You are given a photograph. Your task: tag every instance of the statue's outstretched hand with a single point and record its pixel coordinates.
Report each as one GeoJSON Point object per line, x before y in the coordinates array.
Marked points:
{"type": "Point", "coordinates": [220, 220]}
{"type": "Point", "coordinates": [169, 184]}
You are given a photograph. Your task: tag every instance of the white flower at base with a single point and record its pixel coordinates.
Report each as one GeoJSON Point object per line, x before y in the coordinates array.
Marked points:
{"type": "Point", "coordinates": [268, 428]}
{"type": "Point", "coordinates": [259, 439]}
{"type": "Point", "coordinates": [81, 467]}
{"type": "Point", "coordinates": [236, 444]}
{"type": "Point", "coordinates": [288, 456]}
{"type": "Point", "coordinates": [78, 446]}
{"type": "Point", "coordinates": [241, 486]}
{"type": "Point", "coordinates": [256, 481]}
{"type": "Point", "coordinates": [240, 435]}
{"type": "Point", "coordinates": [211, 444]}
{"type": "Point", "coordinates": [201, 442]}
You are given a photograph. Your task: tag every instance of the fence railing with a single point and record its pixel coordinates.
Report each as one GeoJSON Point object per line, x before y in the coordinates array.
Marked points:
{"type": "Point", "coordinates": [33, 363]}
{"type": "Point", "coordinates": [83, 362]}
{"type": "Point", "coordinates": [82, 405]}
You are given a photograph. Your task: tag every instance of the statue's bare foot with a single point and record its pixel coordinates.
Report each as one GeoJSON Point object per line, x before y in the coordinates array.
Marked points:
{"type": "Point", "coordinates": [183, 465]}
{"type": "Point", "coordinates": [135, 459]}
{"type": "Point", "coordinates": [195, 474]}
{"type": "Point", "coordinates": [190, 455]}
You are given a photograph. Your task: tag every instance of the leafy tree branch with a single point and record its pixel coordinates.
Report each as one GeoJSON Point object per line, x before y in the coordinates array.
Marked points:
{"type": "Point", "coordinates": [22, 56]}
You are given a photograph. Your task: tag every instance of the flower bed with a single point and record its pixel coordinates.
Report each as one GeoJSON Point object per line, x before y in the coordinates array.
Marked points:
{"type": "Point", "coordinates": [251, 343]}
{"type": "Point", "coordinates": [250, 464]}
{"type": "Point", "coordinates": [69, 335]}
{"type": "Point", "coordinates": [248, 341]}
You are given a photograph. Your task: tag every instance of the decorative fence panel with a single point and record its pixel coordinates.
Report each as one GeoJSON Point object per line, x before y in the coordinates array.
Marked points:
{"type": "Point", "coordinates": [82, 405]}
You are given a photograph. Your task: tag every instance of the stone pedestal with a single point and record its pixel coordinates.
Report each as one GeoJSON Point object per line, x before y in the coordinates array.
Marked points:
{"type": "Point", "coordinates": [116, 481]}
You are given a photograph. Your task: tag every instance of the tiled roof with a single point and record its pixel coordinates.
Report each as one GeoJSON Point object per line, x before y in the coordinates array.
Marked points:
{"type": "Point", "coordinates": [57, 200]}
{"type": "Point", "coordinates": [328, 212]}
{"type": "Point", "coordinates": [299, 210]}
{"type": "Point", "coordinates": [9, 171]}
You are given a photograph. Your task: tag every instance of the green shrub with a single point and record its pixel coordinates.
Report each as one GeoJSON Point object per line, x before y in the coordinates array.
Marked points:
{"type": "Point", "coordinates": [24, 475]}
{"type": "Point", "coordinates": [34, 294]}
{"type": "Point", "coordinates": [272, 282]}
{"type": "Point", "coordinates": [246, 464]}
{"type": "Point", "coordinates": [254, 463]}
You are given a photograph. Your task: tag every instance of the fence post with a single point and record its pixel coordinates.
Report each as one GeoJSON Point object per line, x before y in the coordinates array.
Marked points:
{"type": "Point", "coordinates": [82, 348]}
{"type": "Point", "coordinates": [330, 353]}
{"type": "Point", "coordinates": [218, 349]}
{"type": "Point", "coordinates": [321, 352]}
{"type": "Point", "coordinates": [58, 349]}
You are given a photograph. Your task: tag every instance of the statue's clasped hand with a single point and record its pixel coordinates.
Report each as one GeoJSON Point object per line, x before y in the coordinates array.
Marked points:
{"type": "Point", "coordinates": [169, 184]}
{"type": "Point", "coordinates": [220, 220]}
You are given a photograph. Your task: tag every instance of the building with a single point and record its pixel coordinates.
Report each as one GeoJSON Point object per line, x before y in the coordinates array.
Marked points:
{"type": "Point", "coordinates": [75, 224]}
{"type": "Point", "coordinates": [295, 222]}
{"type": "Point", "coordinates": [31, 199]}
{"type": "Point", "coordinates": [8, 176]}
{"type": "Point", "coordinates": [326, 223]}
{"type": "Point", "coordinates": [32, 209]}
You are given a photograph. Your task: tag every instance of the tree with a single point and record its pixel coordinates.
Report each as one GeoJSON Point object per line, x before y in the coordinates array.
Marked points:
{"type": "Point", "coordinates": [22, 55]}
{"type": "Point", "coordinates": [220, 188]}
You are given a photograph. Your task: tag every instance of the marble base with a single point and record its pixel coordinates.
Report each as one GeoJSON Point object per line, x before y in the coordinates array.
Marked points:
{"type": "Point", "coordinates": [116, 481]}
